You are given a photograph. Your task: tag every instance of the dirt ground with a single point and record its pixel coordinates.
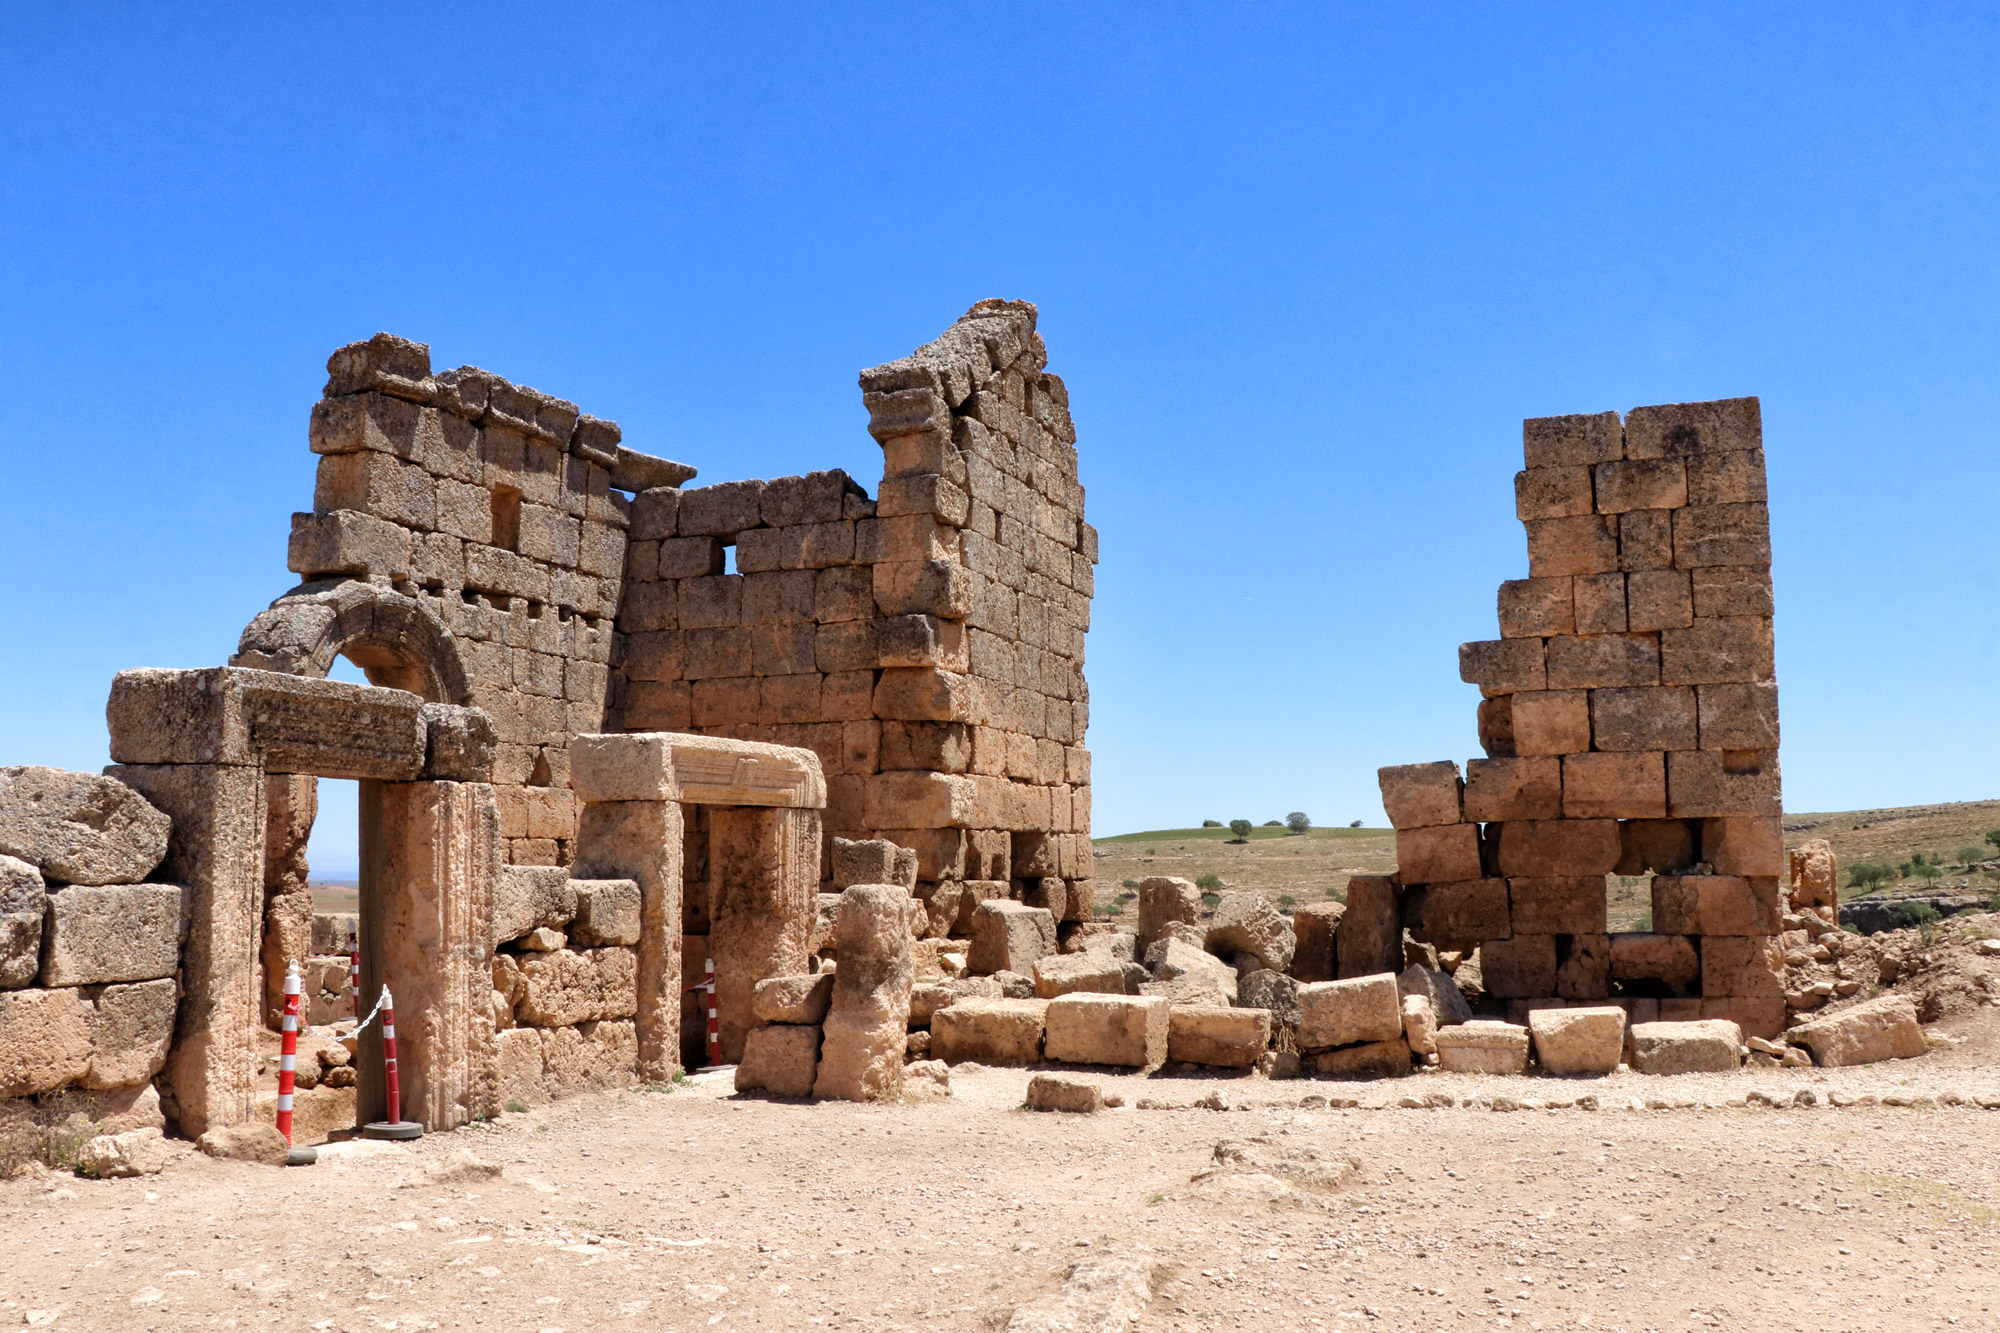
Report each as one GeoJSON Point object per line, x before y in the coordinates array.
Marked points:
{"type": "Point", "coordinates": [695, 1209]}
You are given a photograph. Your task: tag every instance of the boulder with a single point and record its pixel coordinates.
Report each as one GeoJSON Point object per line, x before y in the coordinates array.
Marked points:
{"type": "Point", "coordinates": [992, 1032]}
{"type": "Point", "coordinates": [1879, 1029]}
{"type": "Point", "coordinates": [1219, 1035]}
{"type": "Point", "coordinates": [1089, 1029]}
{"type": "Point", "coordinates": [1704, 1046]}
{"type": "Point", "coordinates": [525, 897]}
{"type": "Point", "coordinates": [867, 1030]}
{"type": "Point", "coordinates": [1014, 986]}
{"type": "Point", "coordinates": [24, 901]}
{"type": "Point", "coordinates": [1483, 1047]}
{"type": "Point", "coordinates": [1122, 945]}
{"type": "Point", "coordinates": [607, 912]}
{"type": "Point", "coordinates": [136, 1152]}
{"type": "Point", "coordinates": [1578, 1041]}
{"type": "Point", "coordinates": [1265, 989]}
{"type": "Point", "coordinates": [1447, 1001]}
{"type": "Point", "coordinates": [792, 999]}
{"type": "Point", "coordinates": [121, 932]}
{"type": "Point", "coordinates": [1420, 1025]}
{"type": "Point", "coordinates": [782, 1059]}
{"type": "Point", "coordinates": [1342, 1013]}
{"type": "Point", "coordinates": [927, 997]}
{"type": "Point", "coordinates": [1171, 959]}
{"type": "Point", "coordinates": [1097, 971]}
{"type": "Point", "coordinates": [1010, 937]}
{"type": "Point", "coordinates": [79, 828]}
{"type": "Point", "coordinates": [926, 1080]}
{"type": "Point", "coordinates": [1163, 900]}
{"type": "Point", "coordinates": [1247, 923]}
{"type": "Point", "coordinates": [246, 1143]}
{"type": "Point", "coordinates": [1064, 1092]}
{"type": "Point", "coordinates": [1373, 1059]}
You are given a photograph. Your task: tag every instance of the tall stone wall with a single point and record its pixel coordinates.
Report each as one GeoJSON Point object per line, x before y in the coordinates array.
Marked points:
{"type": "Point", "coordinates": [928, 644]}
{"type": "Point", "coordinates": [1630, 722]}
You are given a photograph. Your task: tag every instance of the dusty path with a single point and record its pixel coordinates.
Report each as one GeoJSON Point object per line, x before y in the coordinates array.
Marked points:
{"type": "Point", "coordinates": [692, 1209]}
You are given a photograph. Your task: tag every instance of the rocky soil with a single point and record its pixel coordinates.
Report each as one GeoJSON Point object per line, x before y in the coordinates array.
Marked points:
{"type": "Point", "coordinates": [1730, 1204]}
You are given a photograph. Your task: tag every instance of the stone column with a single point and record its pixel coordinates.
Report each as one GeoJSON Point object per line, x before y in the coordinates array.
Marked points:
{"type": "Point", "coordinates": [641, 841]}
{"type": "Point", "coordinates": [763, 866]}
{"type": "Point", "coordinates": [216, 852]}
{"type": "Point", "coordinates": [431, 860]}
{"type": "Point", "coordinates": [864, 1037]}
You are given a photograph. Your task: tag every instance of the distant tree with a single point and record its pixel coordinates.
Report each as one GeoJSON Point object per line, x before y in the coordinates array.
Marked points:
{"type": "Point", "coordinates": [1355, 824]}
{"type": "Point", "coordinates": [1993, 836]}
{"type": "Point", "coordinates": [1869, 875]}
{"type": "Point", "coordinates": [1241, 828]}
{"type": "Point", "coordinates": [1211, 823]}
{"type": "Point", "coordinates": [1274, 823]}
{"type": "Point", "coordinates": [1298, 821]}
{"type": "Point", "coordinates": [1969, 853]}
{"type": "Point", "coordinates": [1287, 900]}
{"type": "Point", "coordinates": [1929, 870]}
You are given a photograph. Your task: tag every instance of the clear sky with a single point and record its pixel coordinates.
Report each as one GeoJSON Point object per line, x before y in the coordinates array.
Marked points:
{"type": "Point", "coordinates": [1304, 269]}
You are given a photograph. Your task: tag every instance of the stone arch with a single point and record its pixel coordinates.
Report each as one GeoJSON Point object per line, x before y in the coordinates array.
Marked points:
{"type": "Point", "coordinates": [400, 641]}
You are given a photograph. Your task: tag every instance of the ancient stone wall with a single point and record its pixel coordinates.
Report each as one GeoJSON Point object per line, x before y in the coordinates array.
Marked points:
{"type": "Point", "coordinates": [927, 644]}
{"type": "Point", "coordinates": [1630, 722]}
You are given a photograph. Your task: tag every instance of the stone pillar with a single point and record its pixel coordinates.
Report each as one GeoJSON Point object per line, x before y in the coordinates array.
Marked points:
{"type": "Point", "coordinates": [861, 1052]}
{"type": "Point", "coordinates": [217, 852]}
{"type": "Point", "coordinates": [763, 866]}
{"type": "Point", "coordinates": [641, 841]}
{"type": "Point", "coordinates": [430, 862]}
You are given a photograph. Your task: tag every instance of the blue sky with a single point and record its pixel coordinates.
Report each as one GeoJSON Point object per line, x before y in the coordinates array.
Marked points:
{"type": "Point", "coordinates": [1304, 268]}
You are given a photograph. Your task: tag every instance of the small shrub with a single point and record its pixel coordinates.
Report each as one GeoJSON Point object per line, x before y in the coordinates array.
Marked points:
{"type": "Point", "coordinates": [1128, 884]}
{"type": "Point", "coordinates": [1111, 909]}
{"type": "Point", "coordinates": [1209, 900]}
{"type": "Point", "coordinates": [1274, 823]}
{"type": "Point", "coordinates": [1336, 894]}
{"type": "Point", "coordinates": [1644, 924]}
{"type": "Point", "coordinates": [1867, 875]}
{"type": "Point", "coordinates": [1355, 824]}
{"type": "Point", "coordinates": [1920, 915]}
{"type": "Point", "coordinates": [1929, 870]}
{"type": "Point", "coordinates": [1210, 883]}
{"type": "Point", "coordinates": [1211, 823]}
{"type": "Point", "coordinates": [1287, 900]}
{"type": "Point", "coordinates": [1968, 854]}
{"type": "Point", "coordinates": [1993, 837]}
{"type": "Point", "coordinates": [517, 1107]}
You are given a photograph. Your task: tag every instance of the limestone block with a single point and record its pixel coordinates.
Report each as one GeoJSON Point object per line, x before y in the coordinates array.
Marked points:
{"type": "Point", "coordinates": [1524, 788]}
{"type": "Point", "coordinates": [1273, 992]}
{"type": "Point", "coordinates": [1658, 599]}
{"type": "Point", "coordinates": [1650, 717]}
{"type": "Point", "coordinates": [258, 1143]}
{"type": "Point", "coordinates": [1446, 1000]}
{"type": "Point", "coordinates": [1578, 1041]}
{"type": "Point", "coordinates": [1719, 783]}
{"type": "Point", "coordinates": [1582, 544]}
{"type": "Point", "coordinates": [1314, 926]}
{"type": "Point", "coordinates": [459, 743]}
{"type": "Point", "coordinates": [782, 1060]}
{"type": "Point", "coordinates": [697, 770]}
{"type": "Point", "coordinates": [1573, 440]}
{"type": "Point", "coordinates": [1421, 795]}
{"type": "Point", "coordinates": [23, 904]}
{"type": "Point", "coordinates": [1483, 1047]}
{"type": "Point", "coordinates": [526, 897]}
{"type": "Point", "coordinates": [1095, 1029]}
{"type": "Point", "coordinates": [1219, 1035]}
{"type": "Point", "coordinates": [1552, 492]}
{"type": "Point", "coordinates": [1175, 959]}
{"type": "Point", "coordinates": [1369, 938]}
{"type": "Point", "coordinates": [1248, 923]}
{"type": "Point", "coordinates": [44, 1040]}
{"type": "Point", "coordinates": [1548, 848]}
{"type": "Point", "coordinates": [1750, 847]}
{"type": "Point", "coordinates": [802, 999]}
{"type": "Point", "coordinates": [1437, 854]}
{"type": "Point", "coordinates": [136, 1152]}
{"type": "Point", "coordinates": [78, 828]}
{"type": "Point", "coordinates": [1341, 1013]}
{"type": "Point", "coordinates": [1814, 874]}
{"type": "Point", "coordinates": [1654, 483]}
{"type": "Point", "coordinates": [1566, 905]}
{"type": "Point", "coordinates": [865, 1035]}
{"type": "Point", "coordinates": [1420, 1024]}
{"type": "Point", "coordinates": [1374, 1059]}
{"type": "Point", "coordinates": [589, 1057]}
{"type": "Point", "coordinates": [1745, 965]}
{"type": "Point", "coordinates": [1715, 905]}
{"type": "Point", "coordinates": [1701, 1047]}
{"type": "Point", "coordinates": [992, 1032]}
{"type": "Point", "coordinates": [1459, 915]}
{"type": "Point", "coordinates": [763, 869]}
{"type": "Point", "coordinates": [1668, 959]}
{"type": "Point", "coordinates": [1583, 967]}
{"type": "Point", "coordinates": [1880, 1029]}
{"type": "Point", "coordinates": [1519, 967]}
{"type": "Point", "coordinates": [1614, 786]}
{"type": "Point", "coordinates": [1534, 608]}
{"type": "Point", "coordinates": [1095, 970]}
{"type": "Point", "coordinates": [518, 1061]}
{"type": "Point", "coordinates": [1063, 1092]}
{"type": "Point", "coordinates": [873, 861]}
{"type": "Point", "coordinates": [1722, 534]}
{"type": "Point", "coordinates": [569, 986]}
{"type": "Point", "coordinates": [1010, 937]}
{"type": "Point", "coordinates": [1738, 716]}
{"type": "Point", "coordinates": [123, 932]}
{"type": "Point", "coordinates": [607, 912]}
{"type": "Point", "coordinates": [1689, 430]}
{"type": "Point", "coordinates": [1164, 899]}
{"type": "Point", "coordinates": [242, 716]}
{"type": "Point", "coordinates": [130, 1029]}
{"type": "Point", "coordinates": [1504, 666]}
{"type": "Point", "coordinates": [927, 997]}
{"type": "Point", "coordinates": [1550, 722]}
{"type": "Point", "coordinates": [1599, 601]}
{"type": "Point", "coordinates": [1762, 1016]}
{"type": "Point", "coordinates": [1664, 846]}
{"type": "Point", "coordinates": [1646, 540]}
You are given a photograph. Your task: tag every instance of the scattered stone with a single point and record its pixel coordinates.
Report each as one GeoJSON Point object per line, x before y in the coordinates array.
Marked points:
{"type": "Point", "coordinates": [1265, 989]}
{"type": "Point", "coordinates": [258, 1143]}
{"type": "Point", "coordinates": [1100, 1296]}
{"type": "Point", "coordinates": [459, 1167]}
{"type": "Point", "coordinates": [1219, 1035]}
{"type": "Point", "coordinates": [1342, 1013]}
{"type": "Point", "coordinates": [1280, 1064]}
{"type": "Point", "coordinates": [1711, 1045]}
{"type": "Point", "coordinates": [1064, 1092]}
{"type": "Point", "coordinates": [1419, 1025]}
{"type": "Point", "coordinates": [1446, 999]}
{"type": "Point", "coordinates": [1175, 959]}
{"type": "Point", "coordinates": [1248, 923]}
{"type": "Point", "coordinates": [927, 997]}
{"type": "Point", "coordinates": [926, 1080]}
{"type": "Point", "coordinates": [1880, 1029]}
{"type": "Point", "coordinates": [1578, 1041]}
{"type": "Point", "coordinates": [136, 1152]}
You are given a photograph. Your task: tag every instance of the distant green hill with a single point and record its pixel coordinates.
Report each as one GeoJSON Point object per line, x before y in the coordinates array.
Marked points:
{"type": "Point", "coordinates": [1223, 834]}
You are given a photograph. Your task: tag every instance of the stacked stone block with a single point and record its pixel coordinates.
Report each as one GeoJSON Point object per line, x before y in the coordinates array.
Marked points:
{"type": "Point", "coordinates": [1630, 723]}
{"type": "Point", "coordinates": [927, 644]}
{"type": "Point", "coordinates": [495, 511]}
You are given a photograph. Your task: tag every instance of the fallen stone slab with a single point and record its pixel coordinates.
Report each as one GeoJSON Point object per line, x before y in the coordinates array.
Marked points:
{"type": "Point", "coordinates": [927, 997]}
{"type": "Point", "coordinates": [1010, 937]}
{"type": "Point", "coordinates": [1100, 1296]}
{"type": "Point", "coordinates": [1885, 1028]}
{"type": "Point", "coordinates": [262, 1144]}
{"type": "Point", "coordinates": [1705, 1046]}
{"type": "Point", "coordinates": [782, 1059]}
{"type": "Point", "coordinates": [1219, 1035]}
{"type": "Point", "coordinates": [136, 1152]}
{"type": "Point", "coordinates": [1064, 1092]}
{"type": "Point", "coordinates": [1482, 1047]}
{"type": "Point", "coordinates": [79, 828]}
{"type": "Point", "coordinates": [1092, 970]}
{"type": "Point", "coordinates": [1091, 1029]}
{"type": "Point", "coordinates": [990, 1032]}
{"type": "Point", "coordinates": [1578, 1041]}
{"type": "Point", "coordinates": [1374, 1059]}
{"type": "Point", "coordinates": [1248, 923]}
{"type": "Point", "coordinates": [1343, 1013]}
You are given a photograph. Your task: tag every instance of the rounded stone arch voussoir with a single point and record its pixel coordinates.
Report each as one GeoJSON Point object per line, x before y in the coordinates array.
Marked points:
{"type": "Point", "coordinates": [399, 641]}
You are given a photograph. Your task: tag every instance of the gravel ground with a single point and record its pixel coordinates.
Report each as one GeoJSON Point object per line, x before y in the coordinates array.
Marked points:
{"type": "Point", "coordinates": [696, 1209]}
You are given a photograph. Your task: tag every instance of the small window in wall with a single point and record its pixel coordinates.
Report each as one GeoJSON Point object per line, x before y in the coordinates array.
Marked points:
{"type": "Point", "coordinates": [506, 518]}
{"type": "Point", "coordinates": [729, 557]}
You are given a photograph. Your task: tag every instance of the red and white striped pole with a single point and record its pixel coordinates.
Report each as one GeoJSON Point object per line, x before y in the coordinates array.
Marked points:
{"type": "Point", "coordinates": [389, 1057]}
{"type": "Point", "coordinates": [714, 1023]}
{"type": "Point", "coordinates": [288, 1060]}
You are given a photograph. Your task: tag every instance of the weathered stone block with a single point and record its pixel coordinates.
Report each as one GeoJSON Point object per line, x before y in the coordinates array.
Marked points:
{"type": "Point", "coordinates": [1752, 847]}
{"type": "Point", "coordinates": [1504, 666]}
{"type": "Point", "coordinates": [1341, 1013]}
{"type": "Point", "coordinates": [1374, 1059]}
{"type": "Point", "coordinates": [1723, 783]}
{"type": "Point", "coordinates": [1584, 544]}
{"type": "Point", "coordinates": [1745, 965]}
{"type": "Point", "coordinates": [1085, 1028]}
{"type": "Point", "coordinates": [1091, 970]}
{"type": "Point", "coordinates": [782, 1060]}
{"type": "Point", "coordinates": [1420, 1024]}
{"type": "Point", "coordinates": [861, 1053]}
{"type": "Point", "coordinates": [1715, 905]}
{"type": "Point", "coordinates": [1010, 937]}
{"type": "Point", "coordinates": [1571, 441]}
{"type": "Point", "coordinates": [1550, 722]}
{"type": "Point", "coordinates": [1216, 1035]}
{"type": "Point", "coordinates": [1499, 789]}
{"type": "Point", "coordinates": [992, 1032]}
{"type": "Point", "coordinates": [1248, 923]}
{"type": "Point", "coordinates": [1600, 603]}
{"type": "Point", "coordinates": [1551, 492]}
{"type": "Point", "coordinates": [802, 999]}
{"type": "Point", "coordinates": [131, 1028]}
{"type": "Point", "coordinates": [1536, 608]}
{"type": "Point", "coordinates": [1521, 967]}
{"type": "Point", "coordinates": [873, 861]}
{"type": "Point", "coordinates": [1880, 1029]}
{"type": "Point", "coordinates": [1063, 1092]}
{"type": "Point", "coordinates": [1314, 926]}
{"type": "Point", "coordinates": [1439, 854]}
{"type": "Point", "coordinates": [23, 904]}
{"type": "Point", "coordinates": [1669, 960]}
{"type": "Point", "coordinates": [1578, 1041]}
{"type": "Point", "coordinates": [1583, 967]}
{"type": "Point", "coordinates": [78, 828]}
{"type": "Point", "coordinates": [44, 1040]}
{"type": "Point", "coordinates": [1603, 661]}
{"type": "Point", "coordinates": [1702, 1047]}
{"type": "Point", "coordinates": [607, 912]}
{"type": "Point", "coordinates": [1567, 905]}
{"type": "Point", "coordinates": [1482, 1047]}
{"type": "Point", "coordinates": [1175, 959]}
{"type": "Point", "coordinates": [527, 897]}
{"type": "Point", "coordinates": [1421, 795]}
{"type": "Point", "coordinates": [927, 997]}
{"type": "Point", "coordinates": [569, 986]}
{"type": "Point", "coordinates": [1543, 849]}
{"type": "Point", "coordinates": [1369, 938]}
{"type": "Point", "coordinates": [1458, 915]}
{"type": "Point", "coordinates": [123, 932]}
{"type": "Point", "coordinates": [1164, 899]}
